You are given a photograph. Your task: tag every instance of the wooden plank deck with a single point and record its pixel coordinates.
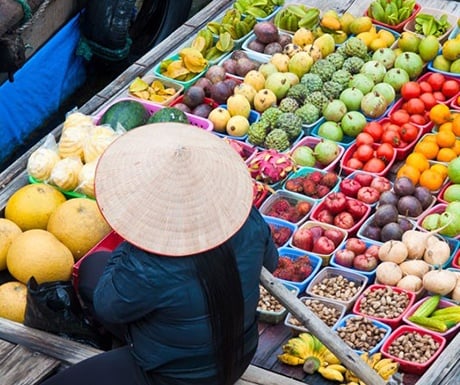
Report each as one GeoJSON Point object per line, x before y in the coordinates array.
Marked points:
{"type": "Point", "coordinates": [27, 356]}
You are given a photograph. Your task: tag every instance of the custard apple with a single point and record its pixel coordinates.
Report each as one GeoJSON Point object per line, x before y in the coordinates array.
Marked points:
{"type": "Point", "coordinates": [354, 46]}
{"type": "Point", "coordinates": [288, 104]}
{"type": "Point", "coordinates": [323, 68]}
{"type": "Point", "coordinates": [337, 59]}
{"type": "Point", "coordinates": [299, 92]}
{"type": "Point", "coordinates": [290, 123]}
{"type": "Point", "coordinates": [342, 77]}
{"type": "Point", "coordinates": [332, 89]}
{"type": "Point", "coordinates": [318, 99]}
{"type": "Point", "coordinates": [277, 139]}
{"type": "Point", "coordinates": [353, 64]}
{"type": "Point", "coordinates": [309, 113]}
{"type": "Point", "coordinates": [312, 81]}
{"type": "Point", "coordinates": [257, 132]}
{"type": "Point", "coordinates": [270, 116]}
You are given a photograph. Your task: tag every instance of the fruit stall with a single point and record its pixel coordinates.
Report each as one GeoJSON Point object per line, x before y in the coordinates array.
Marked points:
{"type": "Point", "coordinates": [347, 115]}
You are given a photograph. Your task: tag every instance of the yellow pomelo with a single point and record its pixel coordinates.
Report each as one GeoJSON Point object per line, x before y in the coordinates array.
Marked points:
{"type": "Point", "coordinates": [40, 254]}
{"type": "Point", "coordinates": [79, 225]}
{"type": "Point", "coordinates": [13, 300]}
{"type": "Point", "coordinates": [31, 205]}
{"type": "Point", "coordinates": [8, 231]}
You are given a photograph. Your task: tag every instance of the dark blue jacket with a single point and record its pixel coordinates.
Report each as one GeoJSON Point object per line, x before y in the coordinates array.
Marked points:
{"type": "Point", "coordinates": [162, 301]}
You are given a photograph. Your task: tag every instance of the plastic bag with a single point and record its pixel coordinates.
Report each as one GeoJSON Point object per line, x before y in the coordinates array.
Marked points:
{"type": "Point", "coordinates": [54, 307]}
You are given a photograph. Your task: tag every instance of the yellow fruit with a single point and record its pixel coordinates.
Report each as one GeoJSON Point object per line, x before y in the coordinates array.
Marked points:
{"type": "Point", "coordinates": [78, 224]}
{"type": "Point", "coordinates": [255, 79]}
{"type": "Point", "coordinates": [219, 117]}
{"type": "Point", "coordinates": [451, 50]}
{"type": "Point", "coordinates": [361, 24]}
{"type": "Point", "coordinates": [8, 231]}
{"type": "Point", "coordinates": [40, 254]}
{"type": "Point", "coordinates": [237, 126]}
{"type": "Point", "coordinates": [13, 300]}
{"type": "Point", "coordinates": [387, 36]}
{"type": "Point", "coordinates": [377, 44]}
{"type": "Point", "coordinates": [366, 37]}
{"type": "Point", "coordinates": [31, 205]}
{"type": "Point", "coordinates": [238, 105]}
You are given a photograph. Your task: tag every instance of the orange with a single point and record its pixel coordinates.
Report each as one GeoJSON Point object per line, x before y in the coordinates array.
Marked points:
{"type": "Point", "coordinates": [445, 127]}
{"type": "Point", "coordinates": [440, 169]}
{"type": "Point", "coordinates": [440, 114]}
{"type": "Point", "coordinates": [431, 180]}
{"type": "Point", "coordinates": [429, 138]}
{"type": "Point", "coordinates": [410, 172]}
{"type": "Point", "coordinates": [427, 148]}
{"type": "Point", "coordinates": [418, 160]}
{"type": "Point", "coordinates": [456, 124]}
{"type": "Point", "coordinates": [446, 154]}
{"type": "Point", "coordinates": [456, 146]}
{"type": "Point", "coordinates": [445, 138]}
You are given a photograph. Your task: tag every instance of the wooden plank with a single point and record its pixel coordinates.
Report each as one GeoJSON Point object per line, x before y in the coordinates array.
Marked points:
{"type": "Point", "coordinates": [5, 348]}
{"type": "Point", "coordinates": [25, 367]}
{"type": "Point", "coordinates": [258, 375]}
{"type": "Point", "coordinates": [335, 344]}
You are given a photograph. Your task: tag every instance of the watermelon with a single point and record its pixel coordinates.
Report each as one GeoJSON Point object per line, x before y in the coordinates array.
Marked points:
{"type": "Point", "coordinates": [125, 113]}
{"type": "Point", "coordinates": [168, 114]}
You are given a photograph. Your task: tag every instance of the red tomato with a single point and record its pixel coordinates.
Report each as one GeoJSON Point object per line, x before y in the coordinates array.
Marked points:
{"type": "Point", "coordinates": [425, 86]}
{"type": "Point", "coordinates": [415, 106]}
{"type": "Point", "coordinates": [354, 164]}
{"type": "Point", "coordinates": [364, 152]}
{"type": "Point", "coordinates": [391, 137]}
{"type": "Point", "coordinates": [428, 100]}
{"type": "Point", "coordinates": [400, 117]}
{"type": "Point", "coordinates": [418, 119]}
{"type": "Point", "coordinates": [374, 165]}
{"type": "Point", "coordinates": [410, 90]}
{"type": "Point", "coordinates": [374, 129]}
{"type": "Point", "coordinates": [436, 81]}
{"type": "Point", "coordinates": [450, 88]}
{"type": "Point", "coordinates": [392, 127]}
{"type": "Point", "coordinates": [364, 138]}
{"type": "Point", "coordinates": [408, 132]}
{"type": "Point", "coordinates": [385, 152]}
{"type": "Point", "coordinates": [439, 96]}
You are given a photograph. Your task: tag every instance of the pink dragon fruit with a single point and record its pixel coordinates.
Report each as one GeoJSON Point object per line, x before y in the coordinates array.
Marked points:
{"type": "Point", "coordinates": [270, 166]}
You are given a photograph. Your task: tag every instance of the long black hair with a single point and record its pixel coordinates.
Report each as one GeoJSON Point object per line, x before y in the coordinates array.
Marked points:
{"type": "Point", "coordinates": [220, 279]}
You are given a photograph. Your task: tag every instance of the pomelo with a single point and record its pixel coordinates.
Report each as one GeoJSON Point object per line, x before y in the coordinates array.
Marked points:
{"type": "Point", "coordinates": [8, 232]}
{"type": "Point", "coordinates": [13, 300]}
{"type": "Point", "coordinates": [40, 254]}
{"type": "Point", "coordinates": [79, 225]}
{"type": "Point", "coordinates": [31, 205]}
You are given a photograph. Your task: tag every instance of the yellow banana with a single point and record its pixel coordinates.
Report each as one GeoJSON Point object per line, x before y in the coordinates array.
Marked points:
{"type": "Point", "coordinates": [342, 369]}
{"type": "Point", "coordinates": [297, 347]}
{"type": "Point", "coordinates": [330, 374]}
{"type": "Point", "coordinates": [308, 339]}
{"type": "Point", "coordinates": [351, 377]}
{"type": "Point", "coordinates": [376, 357]}
{"type": "Point", "coordinates": [388, 370]}
{"type": "Point", "coordinates": [383, 362]}
{"type": "Point", "coordinates": [289, 359]}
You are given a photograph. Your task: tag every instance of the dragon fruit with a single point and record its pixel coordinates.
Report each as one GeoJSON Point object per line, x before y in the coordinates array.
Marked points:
{"type": "Point", "coordinates": [270, 166]}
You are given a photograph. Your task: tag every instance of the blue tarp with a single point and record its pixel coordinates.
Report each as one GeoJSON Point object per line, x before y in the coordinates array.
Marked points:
{"type": "Point", "coordinates": [39, 87]}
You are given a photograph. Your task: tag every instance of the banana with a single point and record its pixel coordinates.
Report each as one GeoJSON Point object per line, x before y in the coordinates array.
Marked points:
{"type": "Point", "coordinates": [376, 357]}
{"type": "Point", "coordinates": [388, 370]}
{"type": "Point", "coordinates": [308, 339]}
{"type": "Point", "coordinates": [330, 374]}
{"type": "Point", "coordinates": [382, 363]}
{"type": "Point", "coordinates": [289, 359]}
{"type": "Point", "coordinates": [297, 347]}
{"type": "Point", "coordinates": [342, 369]}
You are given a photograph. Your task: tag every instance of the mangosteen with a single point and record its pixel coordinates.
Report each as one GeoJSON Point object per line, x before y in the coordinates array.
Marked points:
{"type": "Point", "coordinates": [215, 73]}
{"type": "Point", "coordinates": [391, 231]}
{"type": "Point", "coordinates": [238, 54]}
{"type": "Point", "coordinates": [385, 214]}
{"type": "Point", "coordinates": [202, 110]}
{"type": "Point", "coordinates": [194, 96]}
{"type": "Point", "coordinates": [405, 224]}
{"type": "Point", "coordinates": [256, 45]}
{"type": "Point", "coordinates": [183, 107]}
{"type": "Point", "coordinates": [244, 65]}
{"type": "Point", "coordinates": [424, 196]}
{"type": "Point", "coordinates": [284, 39]}
{"type": "Point", "coordinates": [266, 32]}
{"type": "Point", "coordinates": [403, 186]}
{"type": "Point", "coordinates": [206, 84]}
{"type": "Point", "coordinates": [388, 197]}
{"type": "Point", "coordinates": [272, 48]}
{"type": "Point", "coordinates": [231, 84]}
{"type": "Point", "coordinates": [372, 232]}
{"type": "Point", "coordinates": [220, 92]}
{"type": "Point", "coordinates": [409, 206]}
{"type": "Point", "coordinates": [229, 66]}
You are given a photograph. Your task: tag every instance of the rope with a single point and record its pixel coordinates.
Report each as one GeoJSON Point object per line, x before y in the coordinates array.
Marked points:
{"type": "Point", "coordinates": [37, 15]}
{"type": "Point", "coordinates": [25, 9]}
{"type": "Point", "coordinates": [86, 48]}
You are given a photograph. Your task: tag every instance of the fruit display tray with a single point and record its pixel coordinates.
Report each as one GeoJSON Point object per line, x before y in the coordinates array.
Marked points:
{"type": "Point", "coordinates": [437, 13]}
{"type": "Point", "coordinates": [349, 153]}
{"type": "Point", "coordinates": [398, 27]}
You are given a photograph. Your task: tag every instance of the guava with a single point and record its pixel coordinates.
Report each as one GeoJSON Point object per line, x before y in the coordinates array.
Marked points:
{"type": "Point", "coordinates": [386, 90]}
{"type": "Point", "coordinates": [335, 110]}
{"type": "Point", "coordinates": [411, 62]}
{"type": "Point", "coordinates": [326, 151]}
{"type": "Point", "coordinates": [375, 70]}
{"type": "Point", "coordinates": [304, 156]}
{"type": "Point", "coordinates": [279, 84]}
{"type": "Point", "coordinates": [452, 193]}
{"type": "Point", "coordinates": [386, 56]}
{"type": "Point", "coordinates": [431, 221]}
{"type": "Point", "coordinates": [396, 77]}
{"type": "Point", "coordinates": [373, 105]}
{"type": "Point", "coordinates": [453, 170]}
{"type": "Point", "coordinates": [363, 82]}
{"type": "Point", "coordinates": [352, 98]}
{"type": "Point", "coordinates": [330, 130]}
{"type": "Point", "coordinates": [353, 123]}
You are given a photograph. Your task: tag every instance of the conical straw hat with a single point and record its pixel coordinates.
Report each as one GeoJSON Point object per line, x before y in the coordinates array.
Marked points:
{"type": "Point", "coordinates": [173, 189]}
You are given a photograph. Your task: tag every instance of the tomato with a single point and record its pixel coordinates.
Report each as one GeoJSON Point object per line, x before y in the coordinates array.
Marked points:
{"type": "Point", "coordinates": [364, 152]}
{"type": "Point", "coordinates": [408, 132]}
{"type": "Point", "coordinates": [385, 152]}
{"type": "Point", "coordinates": [364, 138]}
{"type": "Point", "coordinates": [415, 106]}
{"type": "Point", "coordinates": [400, 117]}
{"type": "Point", "coordinates": [436, 81]}
{"type": "Point", "coordinates": [374, 129]}
{"type": "Point", "coordinates": [439, 96]}
{"type": "Point", "coordinates": [354, 163]}
{"type": "Point", "coordinates": [392, 127]}
{"type": "Point", "coordinates": [428, 100]}
{"type": "Point", "coordinates": [425, 86]}
{"type": "Point", "coordinates": [391, 137]}
{"type": "Point", "coordinates": [418, 119]}
{"type": "Point", "coordinates": [374, 165]}
{"type": "Point", "coordinates": [410, 90]}
{"type": "Point", "coordinates": [450, 88]}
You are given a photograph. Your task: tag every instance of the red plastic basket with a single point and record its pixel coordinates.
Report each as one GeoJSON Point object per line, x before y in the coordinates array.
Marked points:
{"type": "Point", "coordinates": [426, 128]}
{"type": "Point", "coordinates": [455, 102]}
{"type": "Point", "coordinates": [398, 27]}
{"type": "Point", "coordinates": [151, 107]}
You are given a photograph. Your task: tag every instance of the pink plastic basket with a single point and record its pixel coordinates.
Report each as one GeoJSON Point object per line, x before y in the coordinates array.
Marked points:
{"type": "Point", "coordinates": [151, 108]}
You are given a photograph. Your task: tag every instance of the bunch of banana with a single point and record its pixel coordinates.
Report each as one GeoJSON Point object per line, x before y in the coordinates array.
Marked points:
{"type": "Point", "coordinates": [295, 16]}
{"type": "Point", "coordinates": [211, 47]}
{"type": "Point", "coordinates": [259, 9]}
{"type": "Point", "coordinates": [307, 350]}
{"type": "Point", "coordinates": [234, 23]}
{"type": "Point", "coordinates": [385, 367]}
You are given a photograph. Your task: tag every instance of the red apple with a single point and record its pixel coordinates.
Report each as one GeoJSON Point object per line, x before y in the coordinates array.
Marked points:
{"type": "Point", "coordinates": [344, 257]}
{"type": "Point", "coordinates": [336, 236]}
{"type": "Point", "coordinates": [325, 216]}
{"type": "Point", "coordinates": [381, 184]}
{"type": "Point", "coordinates": [336, 202]}
{"type": "Point", "coordinates": [350, 187]}
{"type": "Point", "coordinates": [344, 220]}
{"type": "Point", "coordinates": [363, 179]}
{"type": "Point", "coordinates": [368, 195]}
{"type": "Point", "coordinates": [373, 250]}
{"type": "Point", "coordinates": [365, 262]}
{"type": "Point", "coordinates": [356, 245]}
{"type": "Point", "coordinates": [356, 208]}
{"type": "Point", "coordinates": [303, 239]}
{"type": "Point", "coordinates": [324, 246]}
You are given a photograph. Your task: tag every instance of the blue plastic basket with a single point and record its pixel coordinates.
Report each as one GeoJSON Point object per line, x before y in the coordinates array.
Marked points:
{"type": "Point", "coordinates": [278, 223]}
{"type": "Point", "coordinates": [254, 116]}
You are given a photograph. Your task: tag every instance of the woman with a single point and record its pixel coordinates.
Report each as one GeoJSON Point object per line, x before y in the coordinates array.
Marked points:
{"type": "Point", "coordinates": [182, 291]}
